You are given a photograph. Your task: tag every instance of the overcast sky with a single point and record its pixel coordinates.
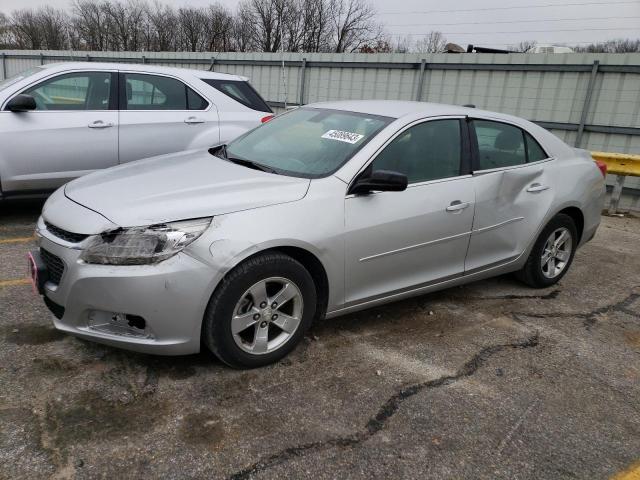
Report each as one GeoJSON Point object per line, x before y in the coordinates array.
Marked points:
{"type": "Point", "coordinates": [489, 22]}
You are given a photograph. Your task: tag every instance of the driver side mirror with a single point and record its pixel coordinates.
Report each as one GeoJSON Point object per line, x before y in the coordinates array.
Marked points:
{"type": "Point", "coordinates": [381, 181]}
{"type": "Point", "coordinates": [21, 103]}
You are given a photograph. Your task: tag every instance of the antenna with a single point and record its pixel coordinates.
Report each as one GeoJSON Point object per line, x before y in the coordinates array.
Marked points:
{"type": "Point", "coordinates": [284, 77]}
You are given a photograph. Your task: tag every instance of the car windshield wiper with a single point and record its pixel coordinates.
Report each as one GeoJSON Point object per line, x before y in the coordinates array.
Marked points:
{"type": "Point", "coordinates": [251, 164]}
{"type": "Point", "coordinates": [248, 163]}
{"type": "Point", "coordinates": [221, 152]}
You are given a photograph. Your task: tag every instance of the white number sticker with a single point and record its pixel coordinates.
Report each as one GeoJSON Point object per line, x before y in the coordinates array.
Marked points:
{"type": "Point", "coordinates": [341, 136]}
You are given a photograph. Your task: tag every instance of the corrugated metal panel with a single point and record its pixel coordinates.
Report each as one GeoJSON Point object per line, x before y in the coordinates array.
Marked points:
{"type": "Point", "coordinates": [542, 94]}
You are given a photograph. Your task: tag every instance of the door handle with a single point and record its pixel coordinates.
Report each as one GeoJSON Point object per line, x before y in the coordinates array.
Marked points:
{"type": "Point", "coordinates": [193, 120]}
{"type": "Point", "coordinates": [100, 124]}
{"type": "Point", "coordinates": [457, 206]}
{"type": "Point", "coordinates": [537, 187]}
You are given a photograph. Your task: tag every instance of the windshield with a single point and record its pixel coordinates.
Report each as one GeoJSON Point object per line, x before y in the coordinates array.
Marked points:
{"type": "Point", "coordinates": [307, 142]}
{"type": "Point", "coordinates": [11, 80]}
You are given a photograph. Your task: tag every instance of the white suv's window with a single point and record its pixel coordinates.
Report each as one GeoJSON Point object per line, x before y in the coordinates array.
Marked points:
{"type": "Point", "coordinates": [154, 92]}
{"type": "Point", "coordinates": [73, 91]}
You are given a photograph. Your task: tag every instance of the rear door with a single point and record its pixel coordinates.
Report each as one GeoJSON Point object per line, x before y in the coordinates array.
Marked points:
{"type": "Point", "coordinates": [513, 192]}
{"type": "Point", "coordinates": [162, 114]}
{"type": "Point", "coordinates": [73, 131]}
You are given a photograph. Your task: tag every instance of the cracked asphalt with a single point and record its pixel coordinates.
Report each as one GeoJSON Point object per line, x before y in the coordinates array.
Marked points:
{"type": "Point", "coordinates": [490, 380]}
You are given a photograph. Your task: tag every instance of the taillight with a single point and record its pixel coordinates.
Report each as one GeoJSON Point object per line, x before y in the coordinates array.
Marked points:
{"type": "Point", "coordinates": [266, 119]}
{"type": "Point", "coordinates": [603, 167]}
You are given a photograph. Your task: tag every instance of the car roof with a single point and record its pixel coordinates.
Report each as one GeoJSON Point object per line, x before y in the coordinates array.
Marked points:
{"type": "Point", "coordinates": [400, 108]}
{"type": "Point", "coordinates": [146, 68]}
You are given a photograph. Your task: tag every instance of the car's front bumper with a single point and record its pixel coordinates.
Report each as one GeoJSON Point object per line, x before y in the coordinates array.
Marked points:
{"type": "Point", "coordinates": [96, 301]}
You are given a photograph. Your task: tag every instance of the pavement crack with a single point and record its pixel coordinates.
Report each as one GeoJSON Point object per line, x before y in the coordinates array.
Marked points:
{"type": "Point", "coordinates": [547, 296]}
{"type": "Point", "coordinates": [590, 318]}
{"type": "Point", "coordinates": [386, 411]}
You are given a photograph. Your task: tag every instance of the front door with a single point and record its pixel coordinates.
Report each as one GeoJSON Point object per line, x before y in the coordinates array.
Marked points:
{"type": "Point", "coordinates": [396, 241]}
{"type": "Point", "coordinates": [512, 193]}
{"type": "Point", "coordinates": [73, 131]}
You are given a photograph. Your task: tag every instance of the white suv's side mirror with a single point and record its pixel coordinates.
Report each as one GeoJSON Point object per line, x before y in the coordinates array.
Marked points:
{"type": "Point", "coordinates": [21, 103]}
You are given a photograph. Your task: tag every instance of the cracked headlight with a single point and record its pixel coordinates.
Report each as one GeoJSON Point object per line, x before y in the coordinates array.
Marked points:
{"type": "Point", "coordinates": [143, 245]}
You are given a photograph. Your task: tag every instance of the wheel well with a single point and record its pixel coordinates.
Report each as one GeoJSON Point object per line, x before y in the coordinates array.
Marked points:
{"type": "Point", "coordinates": [578, 218]}
{"type": "Point", "coordinates": [317, 271]}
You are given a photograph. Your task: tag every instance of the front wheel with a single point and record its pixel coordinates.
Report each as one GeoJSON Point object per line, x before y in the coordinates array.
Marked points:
{"type": "Point", "coordinates": [260, 311]}
{"type": "Point", "coordinates": [552, 253]}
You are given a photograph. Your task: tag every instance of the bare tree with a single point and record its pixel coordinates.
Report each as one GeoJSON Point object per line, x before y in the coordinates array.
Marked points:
{"type": "Point", "coordinates": [25, 29]}
{"type": "Point", "coordinates": [5, 32]}
{"type": "Point", "coordinates": [218, 28]}
{"type": "Point", "coordinates": [162, 28]}
{"type": "Point", "coordinates": [242, 29]}
{"type": "Point", "coordinates": [125, 24]}
{"type": "Point", "coordinates": [315, 25]}
{"type": "Point", "coordinates": [621, 45]}
{"type": "Point", "coordinates": [524, 46]}
{"type": "Point", "coordinates": [353, 25]}
{"type": "Point", "coordinates": [265, 19]}
{"type": "Point", "coordinates": [137, 25]}
{"type": "Point", "coordinates": [91, 24]}
{"type": "Point", "coordinates": [54, 25]}
{"type": "Point", "coordinates": [433, 42]}
{"type": "Point", "coordinates": [192, 21]}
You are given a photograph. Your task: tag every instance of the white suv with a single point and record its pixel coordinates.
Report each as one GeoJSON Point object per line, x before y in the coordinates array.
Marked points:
{"type": "Point", "coordinates": [61, 121]}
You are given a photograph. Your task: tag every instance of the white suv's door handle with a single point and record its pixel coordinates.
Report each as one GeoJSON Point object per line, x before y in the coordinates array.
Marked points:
{"type": "Point", "coordinates": [100, 124]}
{"type": "Point", "coordinates": [457, 206]}
{"type": "Point", "coordinates": [192, 120]}
{"type": "Point", "coordinates": [537, 187]}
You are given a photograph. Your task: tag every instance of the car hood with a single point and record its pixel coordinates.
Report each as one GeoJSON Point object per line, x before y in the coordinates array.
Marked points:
{"type": "Point", "coordinates": [180, 186]}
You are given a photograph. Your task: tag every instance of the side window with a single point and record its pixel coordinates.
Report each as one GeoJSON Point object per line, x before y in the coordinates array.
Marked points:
{"type": "Point", "coordinates": [242, 92]}
{"type": "Point", "coordinates": [153, 92]}
{"type": "Point", "coordinates": [73, 91]}
{"type": "Point", "coordinates": [534, 150]}
{"type": "Point", "coordinates": [428, 151]}
{"type": "Point", "coordinates": [499, 145]}
{"type": "Point", "coordinates": [195, 101]}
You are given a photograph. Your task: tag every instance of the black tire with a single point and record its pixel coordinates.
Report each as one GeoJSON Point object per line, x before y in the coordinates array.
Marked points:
{"type": "Point", "coordinates": [216, 329]}
{"type": "Point", "coordinates": [532, 272]}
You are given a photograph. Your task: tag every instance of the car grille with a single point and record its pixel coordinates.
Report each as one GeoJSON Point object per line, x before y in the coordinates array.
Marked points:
{"type": "Point", "coordinates": [54, 264]}
{"type": "Point", "coordinates": [65, 235]}
{"type": "Point", "coordinates": [57, 310]}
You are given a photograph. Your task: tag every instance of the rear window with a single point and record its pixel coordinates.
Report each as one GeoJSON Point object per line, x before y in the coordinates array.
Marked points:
{"type": "Point", "coordinates": [241, 92]}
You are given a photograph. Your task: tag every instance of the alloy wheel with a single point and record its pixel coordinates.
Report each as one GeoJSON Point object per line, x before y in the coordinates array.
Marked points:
{"type": "Point", "coordinates": [267, 315]}
{"type": "Point", "coordinates": [556, 252]}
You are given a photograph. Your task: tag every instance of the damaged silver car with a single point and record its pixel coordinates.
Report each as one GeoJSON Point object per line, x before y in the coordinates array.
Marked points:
{"type": "Point", "coordinates": [325, 210]}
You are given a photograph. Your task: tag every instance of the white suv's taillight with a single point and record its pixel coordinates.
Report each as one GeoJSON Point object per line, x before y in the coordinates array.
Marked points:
{"type": "Point", "coordinates": [603, 167]}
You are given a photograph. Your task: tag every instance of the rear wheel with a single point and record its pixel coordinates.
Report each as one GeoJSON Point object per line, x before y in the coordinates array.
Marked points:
{"type": "Point", "coordinates": [552, 253]}
{"type": "Point", "coordinates": [260, 311]}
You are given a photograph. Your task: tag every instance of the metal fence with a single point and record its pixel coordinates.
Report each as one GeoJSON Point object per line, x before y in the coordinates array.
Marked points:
{"type": "Point", "coordinates": [588, 100]}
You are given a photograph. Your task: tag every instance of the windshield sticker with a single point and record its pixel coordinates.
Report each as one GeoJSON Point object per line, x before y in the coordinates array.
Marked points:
{"type": "Point", "coordinates": [341, 136]}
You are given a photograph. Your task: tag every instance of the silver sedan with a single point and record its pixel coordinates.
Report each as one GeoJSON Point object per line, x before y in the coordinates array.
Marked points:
{"type": "Point", "coordinates": [327, 209]}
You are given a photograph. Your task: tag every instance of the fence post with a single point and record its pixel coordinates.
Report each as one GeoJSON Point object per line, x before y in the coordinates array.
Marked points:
{"type": "Point", "coordinates": [614, 201]}
{"type": "Point", "coordinates": [213, 64]}
{"type": "Point", "coordinates": [303, 68]}
{"type": "Point", "coordinates": [587, 102]}
{"type": "Point", "coordinates": [423, 64]}
{"type": "Point", "coordinates": [144, 59]}
{"type": "Point", "coordinates": [4, 66]}
{"type": "Point", "coordinates": [41, 59]}
{"type": "Point", "coordinates": [88, 58]}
